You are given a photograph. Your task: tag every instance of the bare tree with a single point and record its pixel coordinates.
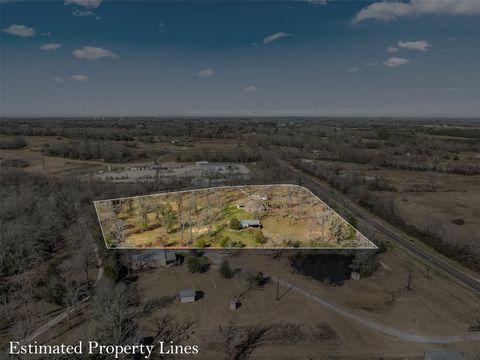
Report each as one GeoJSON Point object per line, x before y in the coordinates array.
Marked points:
{"type": "Point", "coordinates": [144, 208]}
{"type": "Point", "coordinates": [239, 343]}
{"type": "Point", "coordinates": [114, 312]}
{"type": "Point", "coordinates": [118, 231]}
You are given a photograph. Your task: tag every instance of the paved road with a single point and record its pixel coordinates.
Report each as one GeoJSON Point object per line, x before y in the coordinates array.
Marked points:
{"type": "Point", "coordinates": [386, 330]}
{"type": "Point", "coordinates": [436, 262]}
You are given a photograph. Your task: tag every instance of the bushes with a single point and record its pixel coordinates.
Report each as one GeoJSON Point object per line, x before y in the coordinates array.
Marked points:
{"type": "Point", "coordinates": [235, 224]}
{"type": "Point", "coordinates": [256, 280]}
{"type": "Point", "coordinates": [16, 142]}
{"type": "Point", "coordinates": [196, 262]}
{"type": "Point", "coordinates": [225, 241]}
{"type": "Point", "coordinates": [260, 238]}
{"type": "Point", "coordinates": [16, 163]}
{"type": "Point", "coordinates": [200, 243]}
{"type": "Point", "coordinates": [458, 221]}
{"type": "Point", "coordinates": [193, 264]}
{"type": "Point", "coordinates": [225, 269]}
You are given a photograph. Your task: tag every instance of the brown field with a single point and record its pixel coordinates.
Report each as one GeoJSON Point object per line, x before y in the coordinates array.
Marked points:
{"type": "Point", "coordinates": [189, 146]}
{"type": "Point", "coordinates": [305, 328]}
{"type": "Point", "coordinates": [429, 201]}
{"type": "Point", "coordinates": [456, 197]}
{"type": "Point", "coordinates": [37, 163]}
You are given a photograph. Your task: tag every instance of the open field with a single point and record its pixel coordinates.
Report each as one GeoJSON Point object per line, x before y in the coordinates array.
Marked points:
{"type": "Point", "coordinates": [443, 205]}
{"type": "Point", "coordinates": [266, 216]}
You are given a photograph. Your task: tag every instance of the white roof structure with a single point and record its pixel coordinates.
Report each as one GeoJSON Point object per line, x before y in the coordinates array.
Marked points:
{"type": "Point", "coordinates": [248, 223]}
{"type": "Point", "coordinates": [185, 293]}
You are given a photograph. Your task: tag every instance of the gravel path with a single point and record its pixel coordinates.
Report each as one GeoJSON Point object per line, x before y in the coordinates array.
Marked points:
{"type": "Point", "coordinates": [386, 330]}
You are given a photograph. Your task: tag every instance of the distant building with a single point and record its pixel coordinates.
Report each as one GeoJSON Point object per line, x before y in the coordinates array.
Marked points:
{"type": "Point", "coordinates": [187, 295]}
{"type": "Point", "coordinates": [152, 258]}
{"type": "Point", "coordinates": [250, 224]}
{"type": "Point", "coordinates": [443, 355]}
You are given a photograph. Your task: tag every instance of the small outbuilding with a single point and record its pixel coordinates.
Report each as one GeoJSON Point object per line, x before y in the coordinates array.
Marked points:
{"type": "Point", "coordinates": [250, 224]}
{"type": "Point", "coordinates": [355, 275]}
{"type": "Point", "coordinates": [187, 295]}
{"type": "Point", "coordinates": [233, 304]}
{"type": "Point", "coordinates": [153, 258]}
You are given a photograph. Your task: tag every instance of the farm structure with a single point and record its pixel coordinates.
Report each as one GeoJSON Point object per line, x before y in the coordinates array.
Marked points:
{"type": "Point", "coordinates": [152, 259]}
{"type": "Point", "coordinates": [253, 216]}
{"type": "Point", "coordinates": [187, 295]}
{"type": "Point", "coordinates": [250, 224]}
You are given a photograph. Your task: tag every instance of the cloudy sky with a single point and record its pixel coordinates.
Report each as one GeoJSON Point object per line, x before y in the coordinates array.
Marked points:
{"type": "Point", "coordinates": [317, 57]}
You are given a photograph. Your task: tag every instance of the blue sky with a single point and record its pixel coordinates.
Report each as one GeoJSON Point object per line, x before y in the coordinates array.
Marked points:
{"type": "Point", "coordinates": [321, 58]}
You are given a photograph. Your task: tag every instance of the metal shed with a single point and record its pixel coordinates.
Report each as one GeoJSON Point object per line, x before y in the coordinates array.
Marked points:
{"type": "Point", "coordinates": [187, 295]}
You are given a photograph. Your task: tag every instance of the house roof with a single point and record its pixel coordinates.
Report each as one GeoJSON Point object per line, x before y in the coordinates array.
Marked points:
{"type": "Point", "coordinates": [187, 293]}
{"type": "Point", "coordinates": [155, 255]}
{"type": "Point", "coordinates": [250, 222]}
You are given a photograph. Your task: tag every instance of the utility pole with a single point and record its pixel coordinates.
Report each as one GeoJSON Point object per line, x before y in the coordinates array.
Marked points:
{"type": "Point", "coordinates": [409, 287]}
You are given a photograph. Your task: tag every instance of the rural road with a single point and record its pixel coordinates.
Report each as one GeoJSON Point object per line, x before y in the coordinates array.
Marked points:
{"type": "Point", "coordinates": [435, 261]}
{"type": "Point", "coordinates": [386, 330]}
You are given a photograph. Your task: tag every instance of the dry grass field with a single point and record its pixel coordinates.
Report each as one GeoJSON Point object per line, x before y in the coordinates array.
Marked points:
{"type": "Point", "coordinates": [446, 205]}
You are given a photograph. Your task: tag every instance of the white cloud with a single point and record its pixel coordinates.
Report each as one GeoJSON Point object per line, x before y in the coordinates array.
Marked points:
{"type": "Point", "coordinates": [50, 46]}
{"type": "Point", "coordinates": [58, 79]}
{"type": "Point", "coordinates": [452, 38]}
{"type": "Point", "coordinates": [392, 49]}
{"type": "Point", "coordinates": [250, 89]}
{"type": "Point", "coordinates": [89, 4]}
{"type": "Point", "coordinates": [274, 37]}
{"type": "Point", "coordinates": [82, 13]}
{"type": "Point", "coordinates": [79, 78]}
{"type": "Point", "coordinates": [206, 73]}
{"type": "Point", "coordinates": [93, 53]}
{"type": "Point", "coordinates": [19, 30]}
{"type": "Point", "coordinates": [395, 61]}
{"type": "Point", "coordinates": [392, 10]}
{"type": "Point", "coordinates": [421, 45]}
{"type": "Point", "coordinates": [353, 69]}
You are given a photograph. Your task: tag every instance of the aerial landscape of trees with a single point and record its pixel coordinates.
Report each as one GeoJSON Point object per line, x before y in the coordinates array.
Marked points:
{"type": "Point", "coordinates": [50, 237]}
